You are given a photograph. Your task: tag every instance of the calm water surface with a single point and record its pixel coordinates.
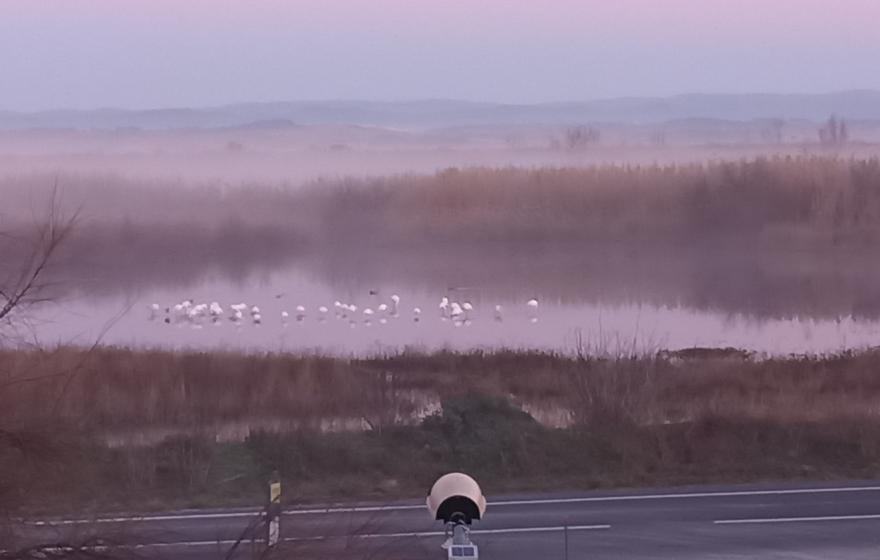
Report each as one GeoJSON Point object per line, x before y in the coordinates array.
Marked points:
{"type": "Point", "coordinates": [559, 323]}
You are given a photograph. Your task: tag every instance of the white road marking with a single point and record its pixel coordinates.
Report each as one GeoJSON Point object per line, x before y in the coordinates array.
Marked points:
{"type": "Point", "coordinates": [508, 503]}
{"type": "Point", "coordinates": [540, 529]}
{"type": "Point", "coordinates": [691, 495]}
{"type": "Point", "coordinates": [586, 527]}
{"type": "Point", "coordinates": [227, 542]}
{"type": "Point", "coordinates": [169, 517]}
{"type": "Point", "coordinates": [514, 530]}
{"type": "Point", "coordinates": [107, 548]}
{"type": "Point", "coordinates": [420, 534]}
{"type": "Point", "coordinates": [352, 509]}
{"type": "Point", "coordinates": [417, 534]}
{"type": "Point", "coordinates": [796, 519]}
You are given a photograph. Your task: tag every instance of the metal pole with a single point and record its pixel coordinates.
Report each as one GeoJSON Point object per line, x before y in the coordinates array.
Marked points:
{"type": "Point", "coordinates": [273, 511]}
{"type": "Point", "coordinates": [565, 532]}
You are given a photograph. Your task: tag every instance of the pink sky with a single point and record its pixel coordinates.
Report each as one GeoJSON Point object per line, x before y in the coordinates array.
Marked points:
{"type": "Point", "coordinates": [753, 16]}
{"type": "Point", "coordinates": [115, 51]}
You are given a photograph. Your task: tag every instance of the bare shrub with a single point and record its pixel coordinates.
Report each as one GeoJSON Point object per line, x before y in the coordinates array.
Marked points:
{"type": "Point", "coordinates": [834, 132]}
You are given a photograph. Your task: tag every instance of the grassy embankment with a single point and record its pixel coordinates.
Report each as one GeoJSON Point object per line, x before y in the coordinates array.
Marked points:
{"type": "Point", "coordinates": [634, 421]}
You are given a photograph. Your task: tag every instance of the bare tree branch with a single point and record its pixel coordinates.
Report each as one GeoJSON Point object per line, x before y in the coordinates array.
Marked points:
{"type": "Point", "coordinates": [27, 285]}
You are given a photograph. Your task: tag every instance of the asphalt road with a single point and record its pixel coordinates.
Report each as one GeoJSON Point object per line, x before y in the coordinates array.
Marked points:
{"type": "Point", "coordinates": [769, 522]}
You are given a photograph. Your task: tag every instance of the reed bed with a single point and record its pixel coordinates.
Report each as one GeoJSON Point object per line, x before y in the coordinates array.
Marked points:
{"type": "Point", "coordinates": [789, 200]}
{"type": "Point", "coordinates": [799, 201]}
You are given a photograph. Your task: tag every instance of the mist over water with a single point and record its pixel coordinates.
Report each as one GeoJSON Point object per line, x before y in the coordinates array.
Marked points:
{"type": "Point", "coordinates": [774, 254]}
{"type": "Point", "coordinates": [580, 316]}
{"type": "Point", "coordinates": [610, 298]}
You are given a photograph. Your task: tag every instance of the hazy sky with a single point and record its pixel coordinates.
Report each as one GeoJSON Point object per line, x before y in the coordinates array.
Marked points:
{"type": "Point", "coordinates": [153, 53]}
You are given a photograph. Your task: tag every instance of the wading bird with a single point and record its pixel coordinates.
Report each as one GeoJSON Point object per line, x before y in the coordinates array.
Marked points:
{"type": "Point", "coordinates": [444, 306]}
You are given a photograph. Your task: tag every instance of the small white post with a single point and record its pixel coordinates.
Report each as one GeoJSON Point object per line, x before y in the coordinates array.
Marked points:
{"type": "Point", "coordinates": [273, 511]}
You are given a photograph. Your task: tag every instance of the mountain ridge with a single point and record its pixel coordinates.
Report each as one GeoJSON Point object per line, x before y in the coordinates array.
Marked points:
{"type": "Point", "coordinates": [428, 113]}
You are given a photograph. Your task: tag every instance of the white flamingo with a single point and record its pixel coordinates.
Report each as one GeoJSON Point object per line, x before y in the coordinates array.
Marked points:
{"type": "Point", "coordinates": [216, 313]}
{"type": "Point", "coordinates": [196, 312]}
{"type": "Point", "coordinates": [456, 310]}
{"type": "Point", "coordinates": [444, 306]}
{"type": "Point", "coordinates": [467, 307]}
{"type": "Point", "coordinates": [533, 310]}
{"type": "Point", "coordinates": [238, 307]}
{"type": "Point", "coordinates": [238, 310]}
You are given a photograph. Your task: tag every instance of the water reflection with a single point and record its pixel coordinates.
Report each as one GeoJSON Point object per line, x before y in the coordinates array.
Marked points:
{"type": "Point", "coordinates": [760, 283]}
{"type": "Point", "coordinates": [644, 312]}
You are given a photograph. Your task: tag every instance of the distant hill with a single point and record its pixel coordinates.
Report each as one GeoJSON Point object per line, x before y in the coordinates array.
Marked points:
{"type": "Point", "coordinates": [856, 105]}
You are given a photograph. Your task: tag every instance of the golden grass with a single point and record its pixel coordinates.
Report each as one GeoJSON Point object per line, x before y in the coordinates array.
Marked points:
{"type": "Point", "coordinates": [120, 388]}
{"type": "Point", "coordinates": [792, 200]}
{"type": "Point", "coordinates": [788, 200]}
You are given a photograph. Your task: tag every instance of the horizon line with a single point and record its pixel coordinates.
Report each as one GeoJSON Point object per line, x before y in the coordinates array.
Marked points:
{"type": "Point", "coordinates": [416, 100]}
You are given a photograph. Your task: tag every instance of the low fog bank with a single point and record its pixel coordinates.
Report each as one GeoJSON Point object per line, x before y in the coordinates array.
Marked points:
{"type": "Point", "coordinates": [785, 201]}
{"type": "Point", "coordinates": [282, 151]}
{"type": "Point", "coordinates": [780, 237]}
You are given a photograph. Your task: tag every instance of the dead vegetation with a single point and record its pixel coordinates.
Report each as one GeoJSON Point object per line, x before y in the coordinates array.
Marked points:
{"type": "Point", "coordinates": [634, 421]}
{"type": "Point", "coordinates": [141, 428]}
{"type": "Point", "coordinates": [770, 237]}
{"type": "Point", "coordinates": [125, 389]}
{"type": "Point", "coordinates": [790, 201]}
{"type": "Point", "coordinates": [803, 201]}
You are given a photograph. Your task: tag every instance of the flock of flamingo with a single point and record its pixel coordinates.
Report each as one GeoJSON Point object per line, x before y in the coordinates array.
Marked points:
{"type": "Point", "coordinates": [188, 312]}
